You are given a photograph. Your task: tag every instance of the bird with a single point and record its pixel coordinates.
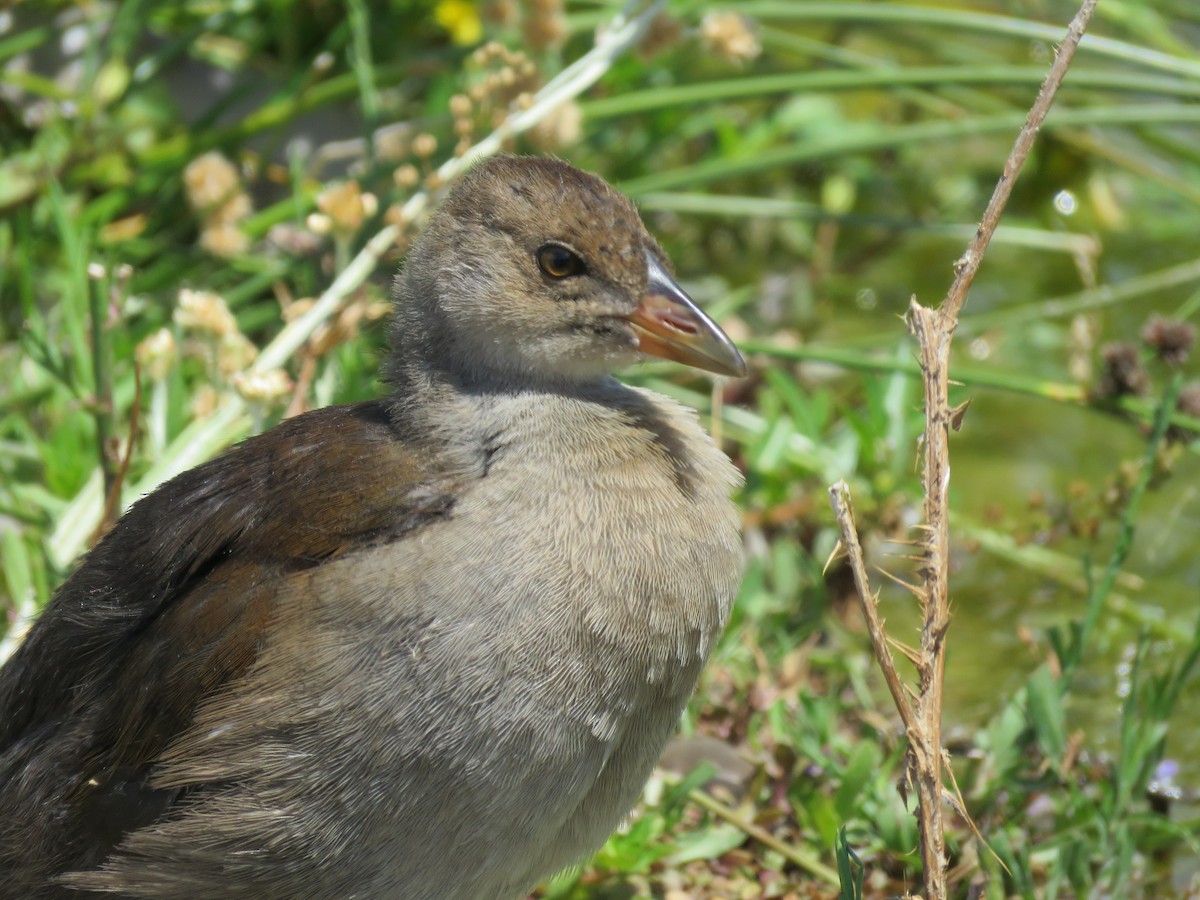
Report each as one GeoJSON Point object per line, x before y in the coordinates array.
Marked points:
{"type": "Point", "coordinates": [425, 646]}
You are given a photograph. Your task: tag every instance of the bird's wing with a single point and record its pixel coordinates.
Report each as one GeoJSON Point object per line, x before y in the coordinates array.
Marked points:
{"type": "Point", "coordinates": [176, 603]}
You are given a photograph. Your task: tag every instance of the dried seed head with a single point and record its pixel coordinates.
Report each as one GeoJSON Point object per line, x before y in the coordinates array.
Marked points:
{"type": "Point", "coordinates": [460, 106]}
{"type": "Point", "coordinates": [156, 354]}
{"type": "Point", "coordinates": [214, 189]}
{"type": "Point", "coordinates": [293, 240]}
{"type": "Point", "coordinates": [501, 12]}
{"type": "Point", "coordinates": [664, 31]}
{"type": "Point", "coordinates": [346, 206]}
{"type": "Point", "coordinates": [1188, 404]}
{"type": "Point", "coordinates": [346, 325]}
{"type": "Point", "coordinates": [489, 51]}
{"type": "Point", "coordinates": [391, 143]}
{"type": "Point", "coordinates": [494, 91]}
{"type": "Point", "coordinates": [730, 36]}
{"type": "Point", "coordinates": [560, 128]}
{"type": "Point", "coordinates": [263, 387]}
{"type": "Point", "coordinates": [235, 353]}
{"type": "Point", "coordinates": [545, 25]}
{"type": "Point", "coordinates": [204, 401]}
{"type": "Point", "coordinates": [1189, 401]}
{"type": "Point", "coordinates": [124, 229]}
{"type": "Point", "coordinates": [1123, 371]}
{"type": "Point", "coordinates": [424, 145]}
{"type": "Point", "coordinates": [1171, 339]}
{"type": "Point", "coordinates": [204, 311]}
{"type": "Point", "coordinates": [209, 179]}
{"type": "Point", "coordinates": [318, 223]}
{"type": "Point", "coordinates": [406, 176]}
{"type": "Point", "coordinates": [394, 215]}
{"type": "Point", "coordinates": [224, 239]}
{"type": "Point", "coordinates": [297, 308]}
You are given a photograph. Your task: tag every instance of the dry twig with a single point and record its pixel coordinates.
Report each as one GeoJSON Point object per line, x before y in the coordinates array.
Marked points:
{"type": "Point", "coordinates": [934, 331]}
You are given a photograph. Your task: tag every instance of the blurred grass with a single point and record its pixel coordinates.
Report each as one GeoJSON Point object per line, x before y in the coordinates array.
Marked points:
{"type": "Point", "coordinates": [808, 168]}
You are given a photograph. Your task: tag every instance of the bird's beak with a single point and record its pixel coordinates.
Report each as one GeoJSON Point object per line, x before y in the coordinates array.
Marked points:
{"type": "Point", "coordinates": [669, 324]}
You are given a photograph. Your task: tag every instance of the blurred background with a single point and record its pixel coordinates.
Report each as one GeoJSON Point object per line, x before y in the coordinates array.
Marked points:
{"type": "Point", "coordinates": [180, 180]}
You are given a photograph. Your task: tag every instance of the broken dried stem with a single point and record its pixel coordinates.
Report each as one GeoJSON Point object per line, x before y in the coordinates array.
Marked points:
{"type": "Point", "coordinates": [843, 511]}
{"type": "Point", "coordinates": [934, 331]}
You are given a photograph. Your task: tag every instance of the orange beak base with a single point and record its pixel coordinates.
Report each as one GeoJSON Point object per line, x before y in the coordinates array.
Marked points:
{"type": "Point", "coordinates": [670, 325]}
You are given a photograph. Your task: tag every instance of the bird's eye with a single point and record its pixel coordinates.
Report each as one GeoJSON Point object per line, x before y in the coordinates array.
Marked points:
{"type": "Point", "coordinates": [559, 262]}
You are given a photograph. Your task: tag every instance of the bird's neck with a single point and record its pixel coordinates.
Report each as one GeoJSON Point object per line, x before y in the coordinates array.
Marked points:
{"type": "Point", "coordinates": [432, 363]}
{"type": "Point", "coordinates": [441, 393]}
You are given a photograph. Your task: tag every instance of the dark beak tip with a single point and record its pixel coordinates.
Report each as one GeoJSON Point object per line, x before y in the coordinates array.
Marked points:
{"type": "Point", "coordinates": [681, 330]}
{"type": "Point", "coordinates": [730, 365]}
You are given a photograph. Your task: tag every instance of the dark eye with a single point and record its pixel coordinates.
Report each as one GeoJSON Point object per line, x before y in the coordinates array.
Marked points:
{"type": "Point", "coordinates": [559, 262]}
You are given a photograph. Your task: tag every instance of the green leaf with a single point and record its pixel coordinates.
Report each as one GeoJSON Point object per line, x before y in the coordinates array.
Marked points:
{"type": "Point", "coordinates": [708, 843]}
{"type": "Point", "coordinates": [856, 778]}
{"type": "Point", "coordinates": [1044, 704]}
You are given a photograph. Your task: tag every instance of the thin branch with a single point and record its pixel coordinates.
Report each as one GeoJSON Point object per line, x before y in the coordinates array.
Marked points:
{"type": "Point", "coordinates": [934, 331]}
{"type": "Point", "coordinates": [102, 403]}
{"type": "Point", "coordinates": [968, 264]}
{"type": "Point", "coordinates": [843, 511]}
{"type": "Point", "coordinates": [109, 514]}
{"type": "Point", "coordinates": [805, 860]}
{"type": "Point", "coordinates": [1102, 590]}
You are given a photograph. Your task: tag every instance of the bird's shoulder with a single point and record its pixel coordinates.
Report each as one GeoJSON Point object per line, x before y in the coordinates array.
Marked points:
{"type": "Point", "coordinates": [173, 607]}
{"type": "Point", "coordinates": [183, 589]}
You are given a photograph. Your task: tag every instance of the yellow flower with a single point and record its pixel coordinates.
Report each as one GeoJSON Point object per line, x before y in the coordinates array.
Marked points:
{"type": "Point", "coordinates": [461, 19]}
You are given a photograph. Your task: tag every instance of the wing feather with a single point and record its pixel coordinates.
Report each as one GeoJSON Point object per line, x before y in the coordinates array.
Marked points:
{"type": "Point", "coordinates": [169, 609]}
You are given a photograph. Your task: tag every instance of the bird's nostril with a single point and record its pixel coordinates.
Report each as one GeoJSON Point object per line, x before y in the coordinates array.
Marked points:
{"type": "Point", "coordinates": [679, 323]}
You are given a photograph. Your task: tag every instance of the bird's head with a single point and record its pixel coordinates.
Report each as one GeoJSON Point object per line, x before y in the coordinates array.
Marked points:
{"type": "Point", "coordinates": [534, 270]}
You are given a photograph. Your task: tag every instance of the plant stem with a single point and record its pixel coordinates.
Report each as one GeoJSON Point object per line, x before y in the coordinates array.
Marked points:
{"type": "Point", "coordinates": [102, 406]}
{"type": "Point", "coordinates": [1102, 588]}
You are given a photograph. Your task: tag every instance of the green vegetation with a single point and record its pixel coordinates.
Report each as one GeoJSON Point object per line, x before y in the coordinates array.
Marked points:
{"type": "Point", "coordinates": [178, 180]}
